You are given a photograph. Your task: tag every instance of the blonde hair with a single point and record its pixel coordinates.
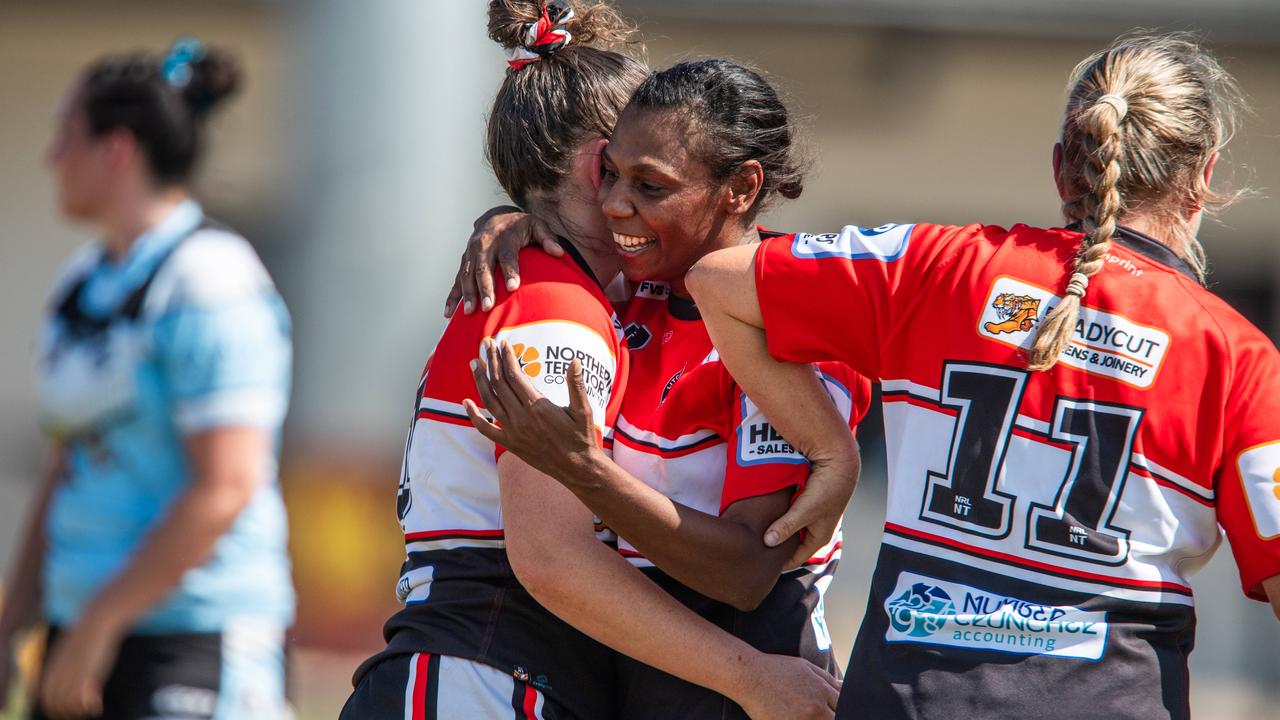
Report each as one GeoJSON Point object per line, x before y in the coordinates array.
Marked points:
{"type": "Point", "coordinates": [1144, 119]}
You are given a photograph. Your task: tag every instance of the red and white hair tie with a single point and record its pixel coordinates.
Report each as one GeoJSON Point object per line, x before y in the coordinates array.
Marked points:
{"type": "Point", "coordinates": [543, 37]}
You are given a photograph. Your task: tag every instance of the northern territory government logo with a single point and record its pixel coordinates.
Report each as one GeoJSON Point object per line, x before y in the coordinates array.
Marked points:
{"type": "Point", "coordinates": [926, 610]}
{"type": "Point", "coordinates": [1104, 343]}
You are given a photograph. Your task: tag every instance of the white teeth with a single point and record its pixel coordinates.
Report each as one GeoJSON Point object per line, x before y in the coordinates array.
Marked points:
{"type": "Point", "coordinates": [632, 243]}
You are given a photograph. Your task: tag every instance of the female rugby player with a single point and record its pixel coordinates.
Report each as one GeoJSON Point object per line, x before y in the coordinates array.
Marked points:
{"type": "Point", "coordinates": [1070, 414]}
{"type": "Point", "coordinates": [697, 474]}
{"type": "Point", "coordinates": [495, 550]}
{"type": "Point", "coordinates": [156, 549]}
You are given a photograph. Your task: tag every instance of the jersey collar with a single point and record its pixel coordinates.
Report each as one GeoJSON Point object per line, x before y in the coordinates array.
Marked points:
{"type": "Point", "coordinates": [1148, 247]}
{"type": "Point", "coordinates": [578, 260]}
{"type": "Point", "coordinates": [682, 308]}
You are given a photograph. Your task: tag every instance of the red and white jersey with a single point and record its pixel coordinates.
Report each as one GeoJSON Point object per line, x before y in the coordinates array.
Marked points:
{"type": "Point", "coordinates": [687, 430]}
{"type": "Point", "coordinates": [1054, 516]}
{"type": "Point", "coordinates": [456, 581]}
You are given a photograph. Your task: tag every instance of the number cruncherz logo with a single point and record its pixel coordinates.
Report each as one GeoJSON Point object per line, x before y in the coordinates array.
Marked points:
{"type": "Point", "coordinates": [921, 610]}
{"type": "Point", "coordinates": [926, 610]}
{"type": "Point", "coordinates": [1017, 313]}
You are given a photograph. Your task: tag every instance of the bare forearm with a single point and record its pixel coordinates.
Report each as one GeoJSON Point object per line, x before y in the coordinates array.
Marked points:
{"type": "Point", "coordinates": [23, 595]}
{"type": "Point", "coordinates": [184, 539]}
{"type": "Point", "coordinates": [724, 286]}
{"type": "Point", "coordinates": [673, 639]}
{"type": "Point", "coordinates": [718, 557]}
{"type": "Point", "coordinates": [791, 395]}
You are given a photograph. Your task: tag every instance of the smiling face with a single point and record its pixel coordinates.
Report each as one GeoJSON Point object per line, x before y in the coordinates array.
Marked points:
{"type": "Point", "coordinates": [662, 204]}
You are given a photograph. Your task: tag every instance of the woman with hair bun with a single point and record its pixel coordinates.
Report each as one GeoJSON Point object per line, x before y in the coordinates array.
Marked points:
{"type": "Point", "coordinates": [1071, 416]}
{"type": "Point", "coordinates": [156, 548]}
{"type": "Point", "coordinates": [517, 604]}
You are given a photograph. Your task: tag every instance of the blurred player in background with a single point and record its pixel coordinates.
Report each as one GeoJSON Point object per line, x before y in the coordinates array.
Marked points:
{"type": "Point", "coordinates": [697, 474]}
{"type": "Point", "coordinates": [155, 551]}
{"type": "Point", "coordinates": [1070, 415]}
{"type": "Point", "coordinates": [502, 562]}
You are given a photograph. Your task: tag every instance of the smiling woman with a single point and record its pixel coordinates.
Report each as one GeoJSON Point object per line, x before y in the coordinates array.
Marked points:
{"type": "Point", "coordinates": [696, 135]}
{"type": "Point", "coordinates": [697, 472]}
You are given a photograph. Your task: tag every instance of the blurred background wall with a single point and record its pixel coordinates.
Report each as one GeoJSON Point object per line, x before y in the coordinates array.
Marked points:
{"type": "Point", "coordinates": [353, 162]}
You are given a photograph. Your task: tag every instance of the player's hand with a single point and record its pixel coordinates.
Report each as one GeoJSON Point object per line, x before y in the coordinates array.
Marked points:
{"type": "Point", "coordinates": [498, 236]}
{"type": "Point", "coordinates": [8, 671]}
{"type": "Point", "coordinates": [558, 441]}
{"type": "Point", "coordinates": [817, 509]}
{"type": "Point", "coordinates": [789, 688]}
{"type": "Point", "coordinates": [78, 665]}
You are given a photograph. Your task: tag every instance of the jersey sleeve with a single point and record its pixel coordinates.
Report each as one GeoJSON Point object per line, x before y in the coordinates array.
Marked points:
{"type": "Point", "coordinates": [549, 325]}
{"type": "Point", "coordinates": [1248, 489]}
{"type": "Point", "coordinates": [760, 461]}
{"type": "Point", "coordinates": [865, 277]}
{"type": "Point", "coordinates": [222, 342]}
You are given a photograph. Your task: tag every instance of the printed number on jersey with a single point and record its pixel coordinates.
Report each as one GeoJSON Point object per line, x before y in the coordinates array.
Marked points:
{"type": "Point", "coordinates": [968, 497]}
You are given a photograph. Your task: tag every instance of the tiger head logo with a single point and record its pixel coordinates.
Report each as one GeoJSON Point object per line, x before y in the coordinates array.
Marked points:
{"type": "Point", "coordinates": [1016, 312]}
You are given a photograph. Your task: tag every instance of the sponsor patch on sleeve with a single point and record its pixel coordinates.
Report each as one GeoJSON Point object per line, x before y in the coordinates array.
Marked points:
{"type": "Point", "coordinates": [1106, 344]}
{"type": "Point", "coordinates": [759, 442]}
{"type": "Point", "coordinates": [926, 610]}
{"type": "Point", "coordinates": [1260, 473]}
{"type": "Point", "coordinates": [545, 350]}
{"type": "Point", "coordinates": [885, 243]}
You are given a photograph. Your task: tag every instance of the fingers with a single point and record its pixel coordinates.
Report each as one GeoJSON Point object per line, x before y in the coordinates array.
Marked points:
{"type": "Point", "coordinates": [467, 280]}
{"type": "Point", "coordinates": [523, 393]}
{"type": "Point", "coordinates": [579, 401]}
{"type": "Point", "coordinates": [481, 423]}
{"type": "Point", "coordinates": [501, 372]}
{"type": "Point", "coordinates": [808, 548]}
{"type": "Point", "coordinates": [457, 291]}
{"type": "Point", "coordinates": [789, 524]}
{"type": "Point", "coordinates": [484, 282]}
{"type": "Point", "coordinates": [509, 262]}
{"type": "Point", "coordinates": [545, 237]}
{"type": "Point", "coordinates": [485, 390]}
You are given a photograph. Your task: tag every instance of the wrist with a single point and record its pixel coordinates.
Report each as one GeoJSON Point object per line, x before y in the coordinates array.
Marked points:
{"type": "Point", "coordinates": [108, 616]}
{"type": "Point", "coordinates": [586, 470]}
{"type": "Point", "coordinates": [741, 675]}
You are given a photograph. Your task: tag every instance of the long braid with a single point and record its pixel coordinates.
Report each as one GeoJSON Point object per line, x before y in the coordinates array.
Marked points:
{"type": "Point", "coordinates": [1102, 205]}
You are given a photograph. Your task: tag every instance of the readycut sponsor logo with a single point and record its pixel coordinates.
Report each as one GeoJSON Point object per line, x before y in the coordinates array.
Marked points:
{"type": "Point", "coordinates": [1103, 343]}
{"type": "Point", "coordinates": [926, 610]}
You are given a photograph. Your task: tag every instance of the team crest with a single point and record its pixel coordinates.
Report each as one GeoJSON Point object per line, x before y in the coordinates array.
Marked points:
{"type": "Point", "coordinates": [1017, 313]}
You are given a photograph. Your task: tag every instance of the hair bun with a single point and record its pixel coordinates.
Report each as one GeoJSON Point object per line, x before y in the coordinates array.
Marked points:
{"type": "Point", "coordinates": [202, 76]}
{"type": "Point", "coordinates": [594, 24]}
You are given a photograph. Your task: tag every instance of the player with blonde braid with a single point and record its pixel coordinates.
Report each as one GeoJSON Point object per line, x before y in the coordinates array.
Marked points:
{"type": "Point", "coordinates": [1101, 124]}
{"type": "Point", "coordinates": [1060, 461]}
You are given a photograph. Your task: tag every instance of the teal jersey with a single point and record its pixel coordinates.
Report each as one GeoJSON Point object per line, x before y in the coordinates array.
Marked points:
{"type": "Point", "coordinates": [183, 334]}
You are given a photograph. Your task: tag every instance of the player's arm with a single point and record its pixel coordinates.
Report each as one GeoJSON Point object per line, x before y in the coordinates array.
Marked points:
{"type": "Point", "coordinates": [23, 595]}
{"type": "Point", "coordinates": [724, 286]}
{"type": "Point", "coordinates": [556, 557]}
{"type": "Point", "coordinates": [227, 467]}
{"type": "Point", "coordinates": [720, 556]}
{"type": "Point", "coordinates": [1247, 499]}
{"type": "Point", "coordinates": [226, 365]}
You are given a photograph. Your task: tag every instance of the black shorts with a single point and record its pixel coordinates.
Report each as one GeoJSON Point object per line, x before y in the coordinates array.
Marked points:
{"type": "Point", "coordinates": [422, 686]}
{"type": "Point", "coordinates": [194, 676]}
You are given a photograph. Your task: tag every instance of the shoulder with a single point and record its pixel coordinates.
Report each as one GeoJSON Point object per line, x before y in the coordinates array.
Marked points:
{"type": "Point", "coordinates": [214, 266]}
